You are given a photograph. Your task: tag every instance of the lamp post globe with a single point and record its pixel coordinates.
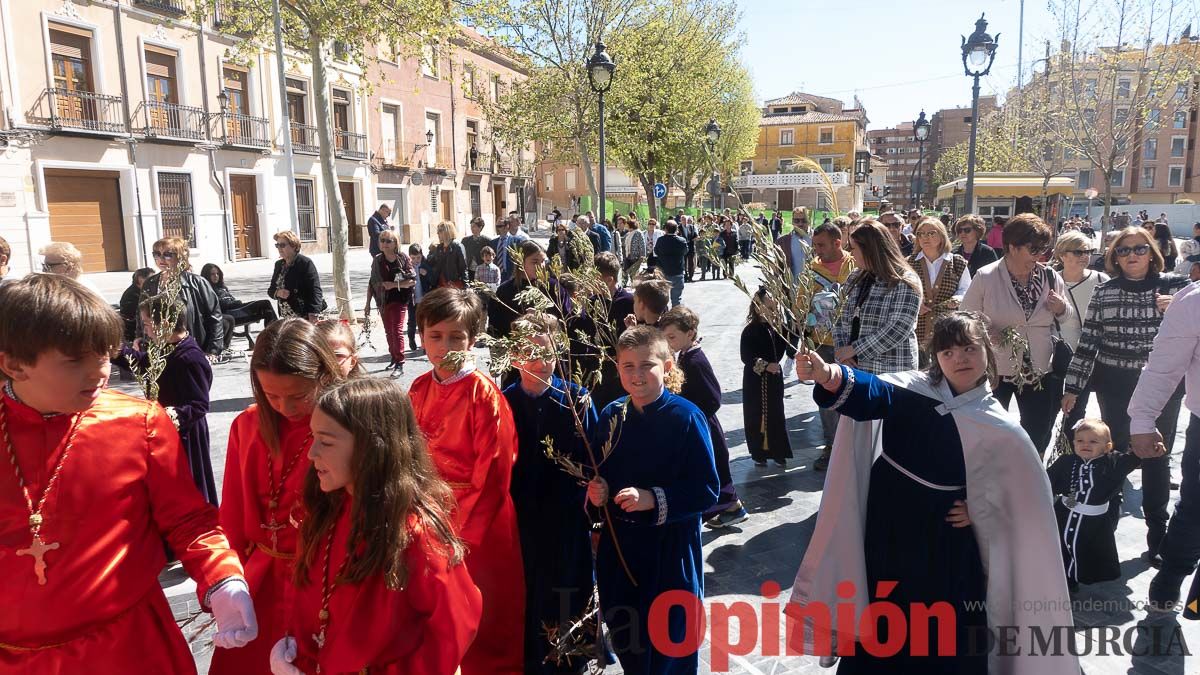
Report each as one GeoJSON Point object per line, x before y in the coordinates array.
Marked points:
{"type": "Point", "coordinates": [921, 131]}
{"type": "Point", "coordinates": [921, 127]}
{"type": "Point", "coordinates": [600, 69]}
{"type": "Point", "coordinates": [712, 131]}
{"type": "Point", "coordinates": [978, 54]}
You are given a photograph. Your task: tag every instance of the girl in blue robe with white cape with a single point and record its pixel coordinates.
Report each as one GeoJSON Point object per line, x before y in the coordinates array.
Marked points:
{"type": "Point", "coordinates": [892, 521]}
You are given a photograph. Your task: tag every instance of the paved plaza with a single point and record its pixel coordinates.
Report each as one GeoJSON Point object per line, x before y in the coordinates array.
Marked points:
{"type": "Point", "coordinates": [782, 503]}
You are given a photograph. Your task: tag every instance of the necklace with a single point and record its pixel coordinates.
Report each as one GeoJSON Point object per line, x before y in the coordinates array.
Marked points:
{"type": "Point", "coordinates": [326, 592]}
{"type": "Point", "coordinates": [275, 491]}
{"type": "Point", "coordinates": [37, 548]}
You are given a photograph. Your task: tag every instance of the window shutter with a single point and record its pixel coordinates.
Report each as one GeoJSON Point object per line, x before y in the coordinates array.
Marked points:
{"type": "Point", "coordinates": [71, 43]}
{"type": "Point", "coordinates": [160, 63]}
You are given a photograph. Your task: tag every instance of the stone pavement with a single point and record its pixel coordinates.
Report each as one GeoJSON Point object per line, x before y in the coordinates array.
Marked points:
{"type": "Point", "coordinates": [782, 503]}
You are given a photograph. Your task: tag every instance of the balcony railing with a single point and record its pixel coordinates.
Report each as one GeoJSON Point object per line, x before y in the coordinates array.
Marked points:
{"type": "Point", "coordinates": [304, 139]}
{"type": "Point", "coordinates": [175, 7]}
{"type": "Point", "coordinates": [245, 130]}
{"type": "Point", "coordinates": [78, 110]}
{"type": "Point", "coordinates": [170, 120]}
{"type": "Point", "coordinates": [349, 144]}
{"type": "Point", "coordinates": [441, 159]}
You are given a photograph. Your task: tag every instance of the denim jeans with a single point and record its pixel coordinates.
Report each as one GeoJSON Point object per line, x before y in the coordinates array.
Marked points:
{"type": "Point", "coordinates": [676, 288]}
{"type": "Point", "coordinates": [1180, 548]}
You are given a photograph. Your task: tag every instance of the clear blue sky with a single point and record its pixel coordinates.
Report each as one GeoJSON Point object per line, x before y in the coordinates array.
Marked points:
{"type": "Point", "coordinates": [899, 56]}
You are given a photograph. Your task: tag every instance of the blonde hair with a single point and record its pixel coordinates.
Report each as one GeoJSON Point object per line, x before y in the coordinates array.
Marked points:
{"type": "Point", "coordinates": [1070, 240]}
{"type": "Point", "coordinates": [449, 228]}
{"type": "Point", "coordinates": [177, 246]}
{"type": "Point", "coordinates": [1157, 262]}
{"type": "Point", "coordinates": [939, 229]}
{"type": "Point", "coordinates": [70, 255]}
{"type": "Point", "coordinates": [288, 237]}
{"type": "Point", "coordinates": [1095, 425]}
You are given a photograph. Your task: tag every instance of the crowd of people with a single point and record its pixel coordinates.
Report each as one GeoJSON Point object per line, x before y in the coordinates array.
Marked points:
{"type": "Point", "coordinates": [472, 521]}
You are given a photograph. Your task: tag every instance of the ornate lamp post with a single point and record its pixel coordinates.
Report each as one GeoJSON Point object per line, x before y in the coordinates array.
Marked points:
{"type": "Point", "coordinates": [978, 53]}
{"type": "Point", "coordinates": [600, 69]}
{"type": "Point", "coordinates": [921, 130]}
{"type": "Point", "coordinates": [712, 134]}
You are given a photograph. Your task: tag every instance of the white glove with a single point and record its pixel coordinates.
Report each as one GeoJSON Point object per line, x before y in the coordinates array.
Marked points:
{"type": "Point", "coordinates": [234, 611]}
{"type": "Point", "coordinates": [282, 655]}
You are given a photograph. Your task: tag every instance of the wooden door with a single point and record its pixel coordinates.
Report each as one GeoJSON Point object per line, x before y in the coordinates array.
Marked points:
{"type": "Point", "coordinates": [85, 209]}
{"type": "Point", "coordinates": [498, 202]}
{"type": "Point", "coordinates": [350, 204]}
{"type": "Point", "coordinates": [448, 205]}
{"type": "Point", "coordinates": [787, 200]}
{"type": "Point", "coordinates": [243, 205]}
{"type": "Point", "coordinates": [71, 61]}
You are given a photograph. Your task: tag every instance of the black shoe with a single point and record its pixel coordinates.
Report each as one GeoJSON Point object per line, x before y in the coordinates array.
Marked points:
{"type": "Point", "coordinates": [1152, 559]}
{"type": "Point", "coordinates": [822, 462]}
{"type": "Point", "coordinates": [781, 463]}
{"type": "Point", "coordinates": [391, 364]}
{"type": "Point", "coordinates": [760, 462]}
{"type": "Point", "coordinates": [399, 370]}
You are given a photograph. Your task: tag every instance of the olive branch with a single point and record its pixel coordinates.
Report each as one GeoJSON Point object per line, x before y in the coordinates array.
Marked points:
{"type": "Point", "coordinates": [158, 344]}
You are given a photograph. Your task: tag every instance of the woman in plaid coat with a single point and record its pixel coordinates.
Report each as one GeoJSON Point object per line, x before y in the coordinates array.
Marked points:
{"type": "Point", "coordinates": [876, 330]}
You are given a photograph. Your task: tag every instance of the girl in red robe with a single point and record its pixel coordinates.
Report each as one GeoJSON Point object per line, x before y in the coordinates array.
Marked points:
{"type": "Point", "coordinates": [380, 584]}
{"type": "Point", "coordinates": [472, 438]}
{"type": "Point", "coordinates": [264, 477]}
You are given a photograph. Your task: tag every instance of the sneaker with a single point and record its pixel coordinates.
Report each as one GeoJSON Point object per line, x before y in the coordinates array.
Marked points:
{"type": "Point", "coordinates": [822, 462]}
{"type": "Point", "coordinates": [760, 462]}
{"type": "Point", "coordinates": [828, 661]}
{"type": "Point", "coordinates": [391, 364]}
{"type": "Point", "coordinates": [399, 369]}
{"type": "Point", "coordinates": [735, 514]}
{"type": "Point", "coordinates": [781, 463]}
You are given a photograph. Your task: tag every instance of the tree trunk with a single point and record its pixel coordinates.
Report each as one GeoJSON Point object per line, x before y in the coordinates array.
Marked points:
{"type": "Point", "coordinates": [589, 175]}
{"type": "Point", "coordinates": [333, 196]}
{"type": "Point", "coordinates": [689, 194]}
{"type": "Point", "coordinates": [1046, 201]}
{"type": "Point", "coordinates": [647, 182]}
{"type": "Point", "coordinates": [1106, 219]}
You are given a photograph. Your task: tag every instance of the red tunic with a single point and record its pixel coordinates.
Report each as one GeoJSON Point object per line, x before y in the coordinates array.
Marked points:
{"type": "Point", "coordinates": [473, 441]}
{"type": "Point", "coordinates": [244, 510]}
{"type": "Point", "coordinates": [124, 488]}
{"type": "Point", "coordinates": [421, 629]}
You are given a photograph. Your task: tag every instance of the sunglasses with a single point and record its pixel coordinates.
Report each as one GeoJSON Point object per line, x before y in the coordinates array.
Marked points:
{"type": "Point", "coordinates": [964, 230]}
{"type": "Point", "coordinates": [280, 244]}
{"type": "Point", "coordinates": [1080, 253]}
{"type": "Point", "coordinates": [165, 255]}
{"type": "Point", "coordinates": [891, 225]}
{"type": "Point", "coordinates": [1124, 251]}
{"type": "Point", "coordinates": [48, 266]}
{"type": "Point", "coordinates": [926, 235]}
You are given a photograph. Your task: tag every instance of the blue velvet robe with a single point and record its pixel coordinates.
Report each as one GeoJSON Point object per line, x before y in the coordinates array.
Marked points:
{"type": "Point", "coordinates": [551, 517]}
{"type": "Point", "coordinates": [907, 538]}
{"type": "Point", "coordinates": [700, 386]}
{"type": "Point", "coordinates": [666, 449]}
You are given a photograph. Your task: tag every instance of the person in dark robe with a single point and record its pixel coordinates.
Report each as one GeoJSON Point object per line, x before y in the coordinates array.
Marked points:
{"type": "Point", "coordinates": [762, 348]}
{"type": "Point", "coordinates": [1087, 487]}
{"type": "Point", "coordinates": [611, 310]}
{"type": "Point", "coordinates": [183, 388]}
{"type": "Point", "coordinates": [700, 386]}
{"type": "Point", "coordinates": [554, 530]}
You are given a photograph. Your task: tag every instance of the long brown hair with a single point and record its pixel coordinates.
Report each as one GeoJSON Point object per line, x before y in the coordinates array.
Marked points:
{"type": "Point", "coordinates": [882, 255]}
{"type": "Point", "coordinates": [289, 347]}
{"type": "Point", "coordinates": [394, 480]}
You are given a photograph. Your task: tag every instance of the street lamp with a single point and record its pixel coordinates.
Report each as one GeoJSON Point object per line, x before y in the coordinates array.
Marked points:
{"type": "Point", "coordinates": [978, 53]}
{"type": "Point", "coordinates": [600, 69]}
{"type": "Point", "coordinates": [712, 134]}
{"type": "Point", "coordinates": [921, 130]}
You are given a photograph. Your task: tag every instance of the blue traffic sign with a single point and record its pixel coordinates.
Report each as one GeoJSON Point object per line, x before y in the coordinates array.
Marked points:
{"type": "Point", "coordinates": [660, 190]}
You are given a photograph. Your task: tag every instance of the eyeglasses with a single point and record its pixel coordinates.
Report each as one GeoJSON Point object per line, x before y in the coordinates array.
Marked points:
{"type": "Point", "coordinates": [49, 266]}
{"type": "Point", "coordinates": [927, 235]}
{"type": "Point", "coordinates": [165, 255]}
{"type": "Point", "coordinates": [1080, 253]}
{"type": "Point", "coordinates": [1124, 251]}
{"type": "Point", "coordinates": [281, 244]}
{"type": "Point", "coordinates": [892, 225]}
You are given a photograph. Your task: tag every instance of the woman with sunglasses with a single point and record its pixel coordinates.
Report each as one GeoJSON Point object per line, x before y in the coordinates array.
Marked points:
{"type": "Point", "coordinates": [1118, 333]}
{"type": "Point", "coordinates": [970, 230]}
{"type": "Point", "coordinates": [295, 283]}
{"type": "Point", "coordinates": [1072, 252]}
{"type": "Point", "coordinates": [1022, 299]}
{"type": "Point", "coordinates": [204, 318]}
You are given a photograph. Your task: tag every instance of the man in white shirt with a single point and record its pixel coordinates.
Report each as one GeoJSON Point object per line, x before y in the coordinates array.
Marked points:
{"type": "Point", "coordinates": [1176, 352]}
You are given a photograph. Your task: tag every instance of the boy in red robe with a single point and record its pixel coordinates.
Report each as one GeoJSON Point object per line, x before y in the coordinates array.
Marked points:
{"type": "Point", "coordinates": [95, 480]}
{"type": "Point", "coordinates": [380, 584]}
{"type": "Point", "coordinates": [473, 440]}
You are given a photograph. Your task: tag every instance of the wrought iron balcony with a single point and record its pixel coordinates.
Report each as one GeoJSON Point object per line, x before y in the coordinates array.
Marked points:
{"type": "Point", "coordinates": [175, 7]}
{"type": "Point", "coordinates": [84, 111]}
{"type": "Point", "coordinates": [304, 139]}
{"type": "Point", "coordinates": [170, 120]}
{"type": "Point", "coordinates": [239, 129]}
{"type": "Point", "coordinates": [349, 145]}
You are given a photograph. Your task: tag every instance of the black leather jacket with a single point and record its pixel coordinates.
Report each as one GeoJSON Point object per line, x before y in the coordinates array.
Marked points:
{"type": "Point", "coordinates": [203, 309]}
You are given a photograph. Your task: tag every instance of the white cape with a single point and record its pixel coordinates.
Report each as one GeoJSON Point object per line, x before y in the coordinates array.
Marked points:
{"type": "Point", "coordinates": [1011, 512]}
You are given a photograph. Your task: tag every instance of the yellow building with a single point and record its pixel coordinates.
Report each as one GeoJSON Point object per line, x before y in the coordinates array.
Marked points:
{"type": "Point", "coordinates": [821, 129]}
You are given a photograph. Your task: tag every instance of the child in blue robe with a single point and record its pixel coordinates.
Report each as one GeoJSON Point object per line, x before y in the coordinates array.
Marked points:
{"type": "Point", "coordinates": [551, 518]}
{"type": "Point", "coordinates": [656, 480]}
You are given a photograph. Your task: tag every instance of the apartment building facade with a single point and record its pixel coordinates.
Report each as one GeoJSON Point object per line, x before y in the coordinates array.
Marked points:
{"type": "Point", "coordinates": [821, 129]}
{"type": "Point", "coordinates": [126, 121]}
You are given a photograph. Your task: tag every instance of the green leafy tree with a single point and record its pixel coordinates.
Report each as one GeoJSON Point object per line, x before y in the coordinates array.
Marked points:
{"type": "Point", "coordinates": [316, 29]}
